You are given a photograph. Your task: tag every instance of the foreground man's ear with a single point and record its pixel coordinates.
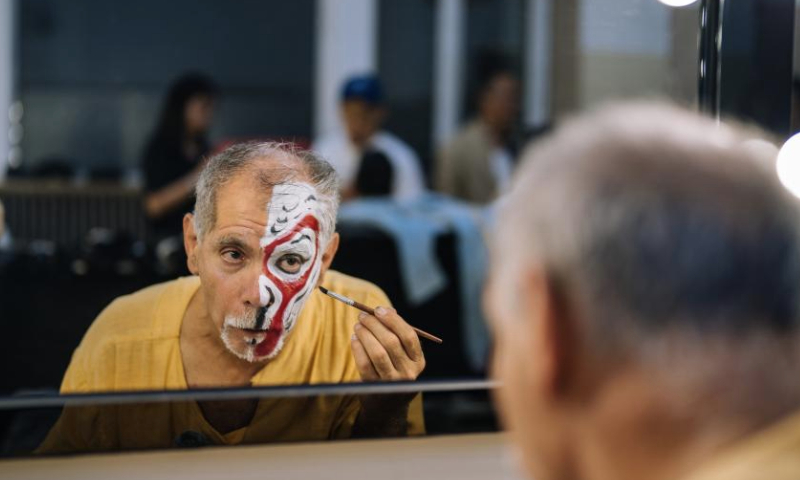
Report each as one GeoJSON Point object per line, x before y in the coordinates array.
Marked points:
{"type": "Point", "coordinates": [190, 243]}
{"type": "Point", "coordinates": [327, 256]}
{"type": "Point", "coordinates": [554, 334]}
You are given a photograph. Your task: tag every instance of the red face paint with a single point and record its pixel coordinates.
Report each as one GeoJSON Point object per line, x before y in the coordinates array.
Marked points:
{"type": "Point", "coordinates": [288, 288]}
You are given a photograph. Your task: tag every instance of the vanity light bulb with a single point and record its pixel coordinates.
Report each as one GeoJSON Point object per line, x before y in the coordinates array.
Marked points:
{"type": "Point", "coordinates": [788, 165]}
{"type": "Point", "coordinates": [677, 3]}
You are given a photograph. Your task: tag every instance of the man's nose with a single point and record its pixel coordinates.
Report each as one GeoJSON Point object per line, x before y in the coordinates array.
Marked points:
{"type": "Point", "coordinates": [259, 293]}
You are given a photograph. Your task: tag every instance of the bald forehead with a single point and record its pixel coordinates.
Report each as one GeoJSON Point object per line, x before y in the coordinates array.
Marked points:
{"type": "Point", "coordinates": [254, 184]}
{"type": "Point", "coordinates": [273, 170]}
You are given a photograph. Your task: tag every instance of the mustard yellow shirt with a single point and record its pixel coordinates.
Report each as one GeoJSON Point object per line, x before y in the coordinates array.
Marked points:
{"type": "Point", "coordinates": [134, 345]}
{"type": "Point", "coordinates": [772, 454]}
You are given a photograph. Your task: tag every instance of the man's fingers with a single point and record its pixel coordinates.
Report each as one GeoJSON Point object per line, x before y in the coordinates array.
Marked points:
{"type": "Point", "coordinates": [387, 338]}
{"type": "Point", "coordinates": [363, 363]}
{"type": "Point", "coordinates": [376, 352]}
{"type": "Point", "coordinates": [408, 337]}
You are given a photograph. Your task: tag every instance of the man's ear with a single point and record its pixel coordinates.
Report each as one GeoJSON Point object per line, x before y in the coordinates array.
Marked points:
{"type": "Point", "coordinates": [327, 256]}
{"type": "Point", "coordinates": [190, 243]}
{"type": "Point", "coordinates": [552, 330]}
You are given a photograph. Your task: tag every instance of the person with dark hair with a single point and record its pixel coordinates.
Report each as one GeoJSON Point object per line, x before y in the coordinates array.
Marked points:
{"type": "Point", "coordinates": [363, 111]}
{"type": "Point", "coordinates": [476, 165]}
{"type": "Point", "coordinates": [174, 154]}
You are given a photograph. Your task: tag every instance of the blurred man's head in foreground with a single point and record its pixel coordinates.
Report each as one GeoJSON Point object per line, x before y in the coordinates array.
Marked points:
{"type": "Point", "coordinates": [644, 295]}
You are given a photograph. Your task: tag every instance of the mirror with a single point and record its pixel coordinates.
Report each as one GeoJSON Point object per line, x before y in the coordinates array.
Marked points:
{"type": "Point", "coordinates": [422, 107]}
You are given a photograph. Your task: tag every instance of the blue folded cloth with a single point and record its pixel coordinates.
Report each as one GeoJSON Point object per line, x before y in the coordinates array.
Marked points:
{"type": "Point", "coordinates": [414, 226]}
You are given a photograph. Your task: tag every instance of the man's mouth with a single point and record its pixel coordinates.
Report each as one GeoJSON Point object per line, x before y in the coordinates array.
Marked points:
{"type": "Point", "coordinates": [255, 331]}
{"type": "Point", "coordinates": [260, 334]}
{"type": "Point", "coordinates": [263, 340]}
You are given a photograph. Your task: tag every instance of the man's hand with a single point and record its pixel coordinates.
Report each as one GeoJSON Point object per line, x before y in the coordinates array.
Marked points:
{"type": "Point", "coordinates": [385, 347]}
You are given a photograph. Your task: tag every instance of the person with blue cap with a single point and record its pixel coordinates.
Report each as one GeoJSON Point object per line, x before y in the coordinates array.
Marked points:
{"type": "Point", "coordinates": [363, 112]}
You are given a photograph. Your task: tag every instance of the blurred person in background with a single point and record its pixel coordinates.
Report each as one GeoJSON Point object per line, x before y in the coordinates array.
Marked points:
{"type": "Point", "coordinates": [476, 165]}
{"type": "Point", "coordinates": [5, 234]}
{"type": "Point", "coordinates": [375, 176]}
{"type": "Point", "coordinates": [363, 113]}
{"type": "Point", "coordinates": [173, 158]}
{"type": "Point", "coordinates": [644, 295]}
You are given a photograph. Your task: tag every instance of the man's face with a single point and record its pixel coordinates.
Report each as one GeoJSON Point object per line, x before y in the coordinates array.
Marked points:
{"type": "Point", "coordinates": [362, 120]}
{"type": "Point", "coordinates": [500, 102]}
{"type": "Point", "coordinates": [260, 263]}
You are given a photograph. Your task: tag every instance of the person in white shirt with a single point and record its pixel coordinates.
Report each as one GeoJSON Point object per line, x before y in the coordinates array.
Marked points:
{"type": "Point", "coordinates": [363, 114]}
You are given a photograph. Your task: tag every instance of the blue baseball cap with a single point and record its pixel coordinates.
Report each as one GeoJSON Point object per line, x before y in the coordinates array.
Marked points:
{"type": "Point", "coordinates": [363, 87]}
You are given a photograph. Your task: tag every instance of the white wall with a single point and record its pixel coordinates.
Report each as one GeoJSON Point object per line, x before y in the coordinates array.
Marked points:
{"type": "Point", "coordinates": [625, 48]}
{"type": "Point", "coordinates": [538, 66]}
{"type": "Point", "coordinates": [448, 68]}
{"type": "Point", "coordinates": [346, 45]}
{"type": "Point", "coordinates": [638, 27]}
{"type": "Point", "coordinates": [7, 16]}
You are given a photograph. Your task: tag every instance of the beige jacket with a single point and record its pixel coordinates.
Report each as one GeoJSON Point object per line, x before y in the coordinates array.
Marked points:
{"type": "Point", "coordinates": [462, 167]}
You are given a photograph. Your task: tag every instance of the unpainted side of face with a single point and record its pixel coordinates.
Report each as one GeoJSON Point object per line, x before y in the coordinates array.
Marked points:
{"type": "Point", "coordinates": [260, 263]}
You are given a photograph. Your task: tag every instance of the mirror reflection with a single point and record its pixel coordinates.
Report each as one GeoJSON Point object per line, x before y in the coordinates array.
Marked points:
{"type": "Point", "coordinates": [280, 193]}
{"type": "Point", "coordinates": [117, 135]}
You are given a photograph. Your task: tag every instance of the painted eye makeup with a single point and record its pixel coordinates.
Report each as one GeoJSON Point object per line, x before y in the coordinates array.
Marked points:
{"type": "Point", "coordinates": [290, 263]}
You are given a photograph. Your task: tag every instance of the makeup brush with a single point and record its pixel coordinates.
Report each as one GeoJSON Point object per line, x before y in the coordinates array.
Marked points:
{"type": "Point", "coordinates": [371, 311]}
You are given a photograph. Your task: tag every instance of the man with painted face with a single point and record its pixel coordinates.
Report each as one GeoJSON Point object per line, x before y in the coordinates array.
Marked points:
{"type": "Point", "coordinates": [259, 243]}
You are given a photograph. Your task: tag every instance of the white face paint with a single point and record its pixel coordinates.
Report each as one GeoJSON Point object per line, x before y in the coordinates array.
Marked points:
{"type": "Point", "coordinates": [291, 268]}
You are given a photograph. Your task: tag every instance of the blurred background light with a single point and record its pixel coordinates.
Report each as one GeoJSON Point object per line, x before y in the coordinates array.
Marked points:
{"type": "Point", "coordinates": [789, 165]}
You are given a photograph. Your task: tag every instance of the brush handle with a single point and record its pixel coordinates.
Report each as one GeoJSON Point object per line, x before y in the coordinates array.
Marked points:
{"type": "Point", "coordinates": [371, 311]}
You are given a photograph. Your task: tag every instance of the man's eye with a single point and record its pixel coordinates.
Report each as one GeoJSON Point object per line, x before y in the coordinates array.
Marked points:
{"type": "Point", "coordinates": [232, 256]}
{"type": "Point", "coordinates": [290, 263]}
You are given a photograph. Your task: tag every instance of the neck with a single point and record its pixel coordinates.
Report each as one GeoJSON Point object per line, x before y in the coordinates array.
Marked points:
{"type": "Point", "coordinates": [639, 427]}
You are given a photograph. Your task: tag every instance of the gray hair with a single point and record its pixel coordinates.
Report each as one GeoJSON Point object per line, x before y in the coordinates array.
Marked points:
{"type": "Point", "coordinates": [224, 166]}
{"type": "Point", "coordinates": [657, 226]}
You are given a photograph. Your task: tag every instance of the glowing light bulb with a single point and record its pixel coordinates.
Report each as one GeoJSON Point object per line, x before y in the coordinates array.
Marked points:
{"type": "Point", "coordinates": [677, 3]}
{"type": "Point", "coordinates": [788, 165]}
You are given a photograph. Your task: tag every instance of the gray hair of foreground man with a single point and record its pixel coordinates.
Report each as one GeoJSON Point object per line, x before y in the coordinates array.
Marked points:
{"type": "Point", "coordinates": [669, 240]}
{"type": "Point", "coordinates": [288, 164]}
